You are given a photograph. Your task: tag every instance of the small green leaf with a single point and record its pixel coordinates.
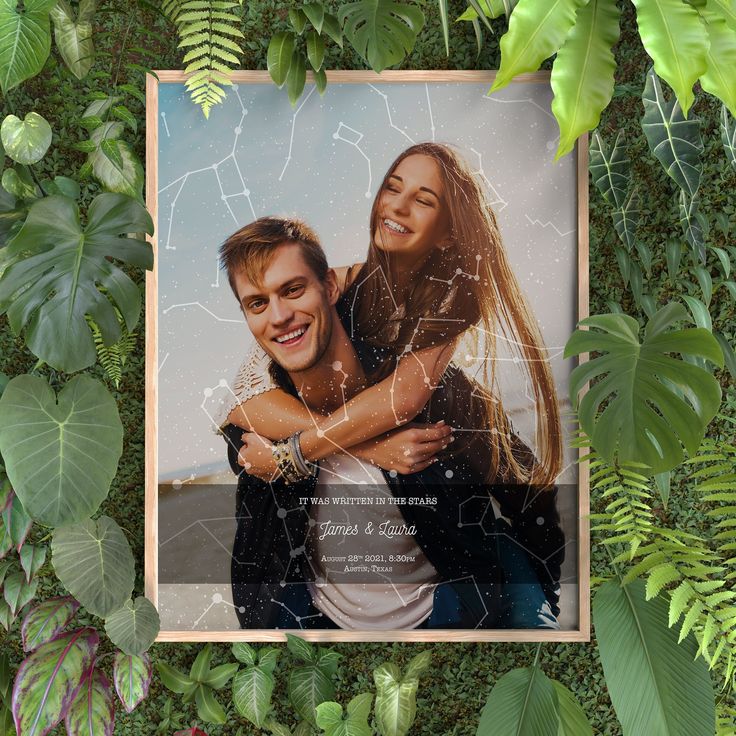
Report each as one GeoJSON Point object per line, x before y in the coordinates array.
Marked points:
{"type": "Point", "coordinates": [298, 19]}
{"type": "Point", "coordinates": [279, 57]}
{"type": "Point", "coordinates": [208, 709]}
{"type": "Point", "coordinates": [332, 27]}
{"type": "Point", "coordinates": [315, 12]}
{"type": "Point", "coordinates": [134, 627]}
{"type": "Point", "coordinates": [320, 81]}
{"type": "Point", "coordinates": [26, 141]}
{"type": "Point", "coordinates": [174, 680]}
{"type": "Point", "coordinates": [297, 77]}
{"type": "Point", "coordinates": [132, 676]}
{"type": "Point", "coordinates": [315, 50]}
{"type": "Point", "coordinates": [122, 112]}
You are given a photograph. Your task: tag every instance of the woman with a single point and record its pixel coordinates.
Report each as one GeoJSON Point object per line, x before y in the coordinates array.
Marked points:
{"type": "Point", "coordinates": [436, 274]}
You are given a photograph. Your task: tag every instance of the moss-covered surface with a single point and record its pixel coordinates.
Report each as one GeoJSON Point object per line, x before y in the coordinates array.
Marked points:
{"type": "Point", "coordinates": [454, 690]}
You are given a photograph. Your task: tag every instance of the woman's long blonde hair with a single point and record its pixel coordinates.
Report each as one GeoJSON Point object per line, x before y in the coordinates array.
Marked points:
{"type": "Point", "coordinates": [467, 285]}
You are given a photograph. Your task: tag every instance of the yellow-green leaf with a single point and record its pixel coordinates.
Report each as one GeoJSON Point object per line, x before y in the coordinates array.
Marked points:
{"type": "Point", "coordinates": [582, 75]}
{"type": "Point", "coordinates": [720, 77]}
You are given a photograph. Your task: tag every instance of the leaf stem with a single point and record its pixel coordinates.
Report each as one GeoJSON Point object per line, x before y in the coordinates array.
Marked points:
{"type": "Point", "coordinates": [536, 656]}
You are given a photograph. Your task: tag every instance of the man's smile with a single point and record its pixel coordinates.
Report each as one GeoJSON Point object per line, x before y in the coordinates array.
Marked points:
{"type": "Point", "coordinates": [293, 337]}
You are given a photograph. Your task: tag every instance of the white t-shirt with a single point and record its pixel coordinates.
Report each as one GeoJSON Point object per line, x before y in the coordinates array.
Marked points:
{"type": "Point", "coordinates": [365, 581]}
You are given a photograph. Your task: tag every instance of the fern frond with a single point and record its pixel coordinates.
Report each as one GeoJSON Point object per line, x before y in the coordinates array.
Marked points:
{"type": "Point", "coordinates": [112, 357]}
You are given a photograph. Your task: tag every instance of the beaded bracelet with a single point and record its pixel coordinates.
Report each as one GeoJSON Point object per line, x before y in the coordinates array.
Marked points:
{"type": "Point", "coordinates": [289, 460]}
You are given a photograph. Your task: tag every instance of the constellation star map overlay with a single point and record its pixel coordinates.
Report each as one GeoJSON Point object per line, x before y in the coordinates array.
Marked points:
{"type": "Point", "coordinates": [323, 161]}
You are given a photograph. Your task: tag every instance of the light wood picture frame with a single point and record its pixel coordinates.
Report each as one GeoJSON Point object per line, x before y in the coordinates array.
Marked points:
{"type": "Point", "coordinates": [574, 291]}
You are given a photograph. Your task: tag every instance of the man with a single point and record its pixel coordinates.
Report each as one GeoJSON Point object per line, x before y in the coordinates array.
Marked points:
{"type": "Point", "coordinates": [353, 546]}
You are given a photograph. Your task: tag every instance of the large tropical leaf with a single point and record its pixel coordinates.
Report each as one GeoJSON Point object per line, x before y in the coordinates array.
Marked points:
{"type": "Point", "coordinates": [675, 142]}
{"type": "Point", "coordinates": [132, 677]}
{"type": "Point", "coordinates": [309, 686]}
{"type": "Point", "coordinates": [674, 36]}
{"type": "Point", "coordinates": [523, 702]}
{"type": "Point", "coordinates": [719, 78]}
{"type": "Point", "coordinates": [383, 32]}
{"type": "Point", "coordinates": [25, 40]}
{"type": "Point", "coordinates": [58, 271]}
{"type": "Point", "coordinates": [74, 37]}
{"type": "Point", "coordinates": [656, 685]}
{"type": "Point", "coordinates": [92, 712]}
{"type": "Point", "coordinates": [582, 75]}
{"type": "Point", "coordinates": [573, 721]}
{"type": "Point", "coordinates": [46, 621]}
{"type": "Point", "coordinates": [536, 31]}
{"type": "Point", "coordinates": [61, 453]}
{"type": "Point", "coordinates": [26, 141]}
{"type": "Point", "coordinates": [728, 136]}
{"type": "Point", "coordinates": [654, 403]}
{"type": "Point", "coordinates": [115, 165]}
{"type": "Point", "coordinates": [49, 679]}
{"type": "Point", "coordinates": [331, 720]}
{"type": "Point", "coordinates": [94, 562]}
{"type": "Point", "coordinates": [134, 627]}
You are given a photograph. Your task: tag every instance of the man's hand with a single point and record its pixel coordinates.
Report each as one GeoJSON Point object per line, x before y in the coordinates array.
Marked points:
{"type": "Point", "coordinates": [406, 450]}
{"type": "Point", "coordinates": [256, 458]}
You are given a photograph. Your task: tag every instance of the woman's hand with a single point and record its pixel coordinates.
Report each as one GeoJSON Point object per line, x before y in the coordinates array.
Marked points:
{"type": "Point", "coordinates": [406, 450]}
{"type": "Point", "coordinates": [256, 458]}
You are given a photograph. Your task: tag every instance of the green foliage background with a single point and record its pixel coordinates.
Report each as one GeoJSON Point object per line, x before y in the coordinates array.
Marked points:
{"type": "Point", "coordinates": [455, 688]}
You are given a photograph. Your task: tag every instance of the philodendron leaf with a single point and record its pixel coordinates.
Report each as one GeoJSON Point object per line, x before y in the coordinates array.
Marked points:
{"type": "Point", "coordinates": [676, 39]}
{"type": "Point", "coordinates": [656, 685]}
{"type": "Point", "coordinates": [309, 686]}
{"type": "Point", "coordinates": [134, 627]}
{"type": "Point", "coordinates": [301, 648]}
{"type": "Point", "coordinates": [396, 698]}
{"type": "Point", "coordinates": [655, 403]}
{"type": "Point", "coordinates": [46, 621]}
{"type": "Point", "coordinates": [582, 74]}
{"type": "Point", "coordinates": [49, 679]}
{"type": "Point", "coordinates": [92, 712]}
{"type": "Point", "coordinates": [94, 562]}
{"type": "Point", "coordinates": [114, 164]}
{"type": "Point", "coordinates": [383, 32]}
{"type": "Point", "coordinates": [252, 690]}
{"type": "Point", "coordinates": [74, 37]}
{"type": "Point", "coordinates": [66, 476]}
{"type": "Point", "coordinates": [573, 721]}
{"type": "Point", "coordinates": [25, 40]}
{"type": "Point", "coordinates": [674, 141]}
{"type": "Point", "coordinates": [522, 702]}
{"type": "Point", "coordinates": [59, 268]}
{"type": "Point", "coordinates": [728, 136]}
{"type": "Point", "coordinates": [26, 141]}
{"type": "Point", "coordinates": [536, 31]}
{"type": "Point", "coordinates": [132, 676]}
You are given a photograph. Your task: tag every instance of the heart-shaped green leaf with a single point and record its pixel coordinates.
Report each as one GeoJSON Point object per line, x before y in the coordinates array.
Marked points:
{"type": "Point", "coordinates": [25, 40]}
{"type": "Point", "coordinates": [675, 141]}
{"type": "Point", "coordinates": [49, 679]}
{"type": "Point", "coordinates": [92, 712]}
{"type": "Point", "coordinates": [522, 702]}
{"type": "Point", "coordinates": [26, 141]}
{"type": "Point", "coordinates": [46, 621]}
{"type": "Point", "coordinates": [132, 676]}
{"type": "Point", "coordinates": [94, 562]}
{"type": "Point", "coordinates": [59, 268]}
{"type": "Point", "coordinates": [61, 453]}
{"type": "Point", "coordinates": [657, 686]}
{"type": "Point", "coordinates": [252, 690]}
{"type": "Point", "coordinates": [134, 627]}
{"type": "Point", "coordinates": [383, 32]}
{"type": "Point", "coordinates": [655, 403]}
{"type": "Point", "coordinates": [74, 37]}
{"type": "Point", "coordinates": [309, 686]}
{"type": "Point", "coordinates": [396, 699]}
{"type": "Point", "coordinates": [354, 723]}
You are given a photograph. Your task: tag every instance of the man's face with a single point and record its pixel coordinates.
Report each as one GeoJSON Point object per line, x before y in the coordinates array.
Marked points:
{"type": "Point", "coordinates": [291, 312]}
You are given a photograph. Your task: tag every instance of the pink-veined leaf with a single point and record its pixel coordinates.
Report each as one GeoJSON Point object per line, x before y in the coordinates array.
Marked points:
{"type": "Point", "coordinates": [132, 676]}
{"type": "Point", "coordinates": [48, 681]}
{"type": "Point", "coordinates": [46, 621]}
{"type": "Point", "coordinates": [92, 712]}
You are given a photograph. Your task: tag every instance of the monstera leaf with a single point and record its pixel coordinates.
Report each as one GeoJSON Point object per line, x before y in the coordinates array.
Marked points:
{"type": "Point", "coordinates": [46, 621]}
{"type": "Point", "coordinates": [92, 712]}
{"type": "Point", "coordinates": [381, 31]}
{"type": "Point", "coordinates": [49, 680]}
{"type": "Point", "coordinates": [655, 403]}
{"type": "Point", "coordinates": [522, 702]}
{"type": "Point", "coordinates": [57, 269]}
{"type": "Point", "coordinates": [657, 686]}
{"type": "Point", "coordinates": [60, 452]}
{"type": "Point", "coordinates": [25, 40]}
{"type": "Point", "coordinates": [134, 627]}
{"type": "Point", "coordinates": [74, 37]}
{"type": "Point", "coordinates": [674, 140]}
{"type": "Point", "coordinates": [333, 722]}
{"type": "Point", "coordinates": [94, 562]}
{"type": "Point", "coordinates": [132, 677]}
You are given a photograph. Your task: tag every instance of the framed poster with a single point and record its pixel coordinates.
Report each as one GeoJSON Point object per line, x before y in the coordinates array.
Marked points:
{"type": "Point", "coordinates": [432, 493]}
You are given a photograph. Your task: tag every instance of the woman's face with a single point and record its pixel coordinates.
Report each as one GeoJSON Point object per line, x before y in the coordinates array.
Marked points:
{"type": "Point", "coordinates": [413, 216]}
